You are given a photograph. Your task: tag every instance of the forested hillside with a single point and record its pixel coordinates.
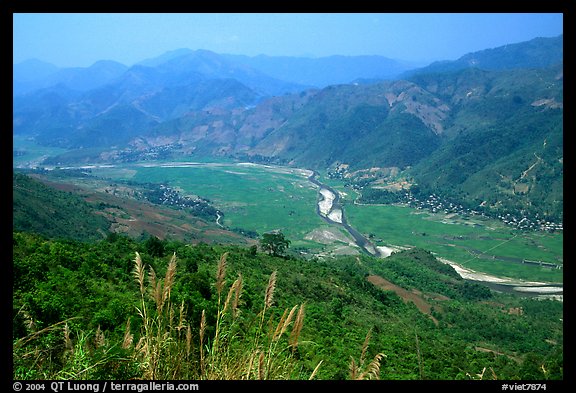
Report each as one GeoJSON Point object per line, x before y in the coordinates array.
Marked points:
{"type": "Point", "coordinates": [123, 309]}
{"type": "Point", "coordinates": [505, 147]}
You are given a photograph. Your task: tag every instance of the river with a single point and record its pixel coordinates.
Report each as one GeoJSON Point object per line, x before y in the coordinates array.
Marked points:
{"type": "Point", "coordinates": [330, 210]}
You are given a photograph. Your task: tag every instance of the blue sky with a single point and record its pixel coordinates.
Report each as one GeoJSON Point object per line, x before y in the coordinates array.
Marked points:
{"type": "Point", "coordinates": [80, 39]}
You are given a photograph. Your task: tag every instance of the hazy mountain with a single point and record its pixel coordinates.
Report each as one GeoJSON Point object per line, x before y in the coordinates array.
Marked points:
{"type": "Point", "coordinates": [32, 70]}
{"type": "Point", "coordinates": [44, 110]}
{"type": "Point", "coordinates": [324, 71]}
{"type": "Point", "coordinates": [169, 86]}
{"type": "Point", "coordinates": [181, 64]}
{"type": "Point", "coordinates": [83, 79]}
{"type": "Point", "coordinates": [537, 53]}
{"type": "Point", "coordinates": [35, 74]}
{"type": "Point", "coordinates": [29, 74]}
{"type": "Point", "coordinates": [386, 124]}
{"type": "Point", "coordinates": [165, 57]}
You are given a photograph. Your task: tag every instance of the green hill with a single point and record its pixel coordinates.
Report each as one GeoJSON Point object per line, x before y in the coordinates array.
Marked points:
{"type": "Point", "coordinates": [176, 311]}
{"type": "Point", "coordinates": [386, 124]}
{"type": "Point", "coordinates": [505, 141]}
{"type": "Point", "coordinates": [42, 209]}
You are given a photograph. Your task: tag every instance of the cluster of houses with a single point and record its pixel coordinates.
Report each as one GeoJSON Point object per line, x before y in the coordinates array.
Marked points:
{"type": "Point", "coordinates": [525, 223]}
{"type": "Point", "coordinates": [436, 205]}
{"type": "Point", "coordinates": [165, 195]}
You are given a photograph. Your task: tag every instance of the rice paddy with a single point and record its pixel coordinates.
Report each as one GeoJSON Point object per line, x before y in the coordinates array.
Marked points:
{"type": "Point", "coordinates": [262, 198]}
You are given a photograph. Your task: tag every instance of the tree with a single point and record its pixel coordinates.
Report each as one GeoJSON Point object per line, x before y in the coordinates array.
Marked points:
{"type": "Point", "coordinates": [154, 246]}
{"type": "Point", "coordinates": [274, 243]}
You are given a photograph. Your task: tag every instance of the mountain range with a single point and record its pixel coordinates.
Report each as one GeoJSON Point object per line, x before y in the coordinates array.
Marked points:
{"type": "Point", "coordinates": [486, 128]}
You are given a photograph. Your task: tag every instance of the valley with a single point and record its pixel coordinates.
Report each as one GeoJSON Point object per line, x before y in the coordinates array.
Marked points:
{"type": "Point", "coordinates": [200, 215]}
{"type": "Point", "coordinates": [322, 221]}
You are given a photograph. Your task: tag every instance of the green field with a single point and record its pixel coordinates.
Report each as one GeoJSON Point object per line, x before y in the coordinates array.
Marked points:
{"type": "Point", "coordinates": [261, 199]}
{"type": "Point", "coordinates": [30, 154]}
{"type": "Point", "coordinates": [254, 198]}
{"type": "Point", "coordinates": [477, 243]}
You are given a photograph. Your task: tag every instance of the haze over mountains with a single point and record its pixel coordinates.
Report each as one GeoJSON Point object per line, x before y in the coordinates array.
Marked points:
{"type": "Point", "coordinates": [485, 128]}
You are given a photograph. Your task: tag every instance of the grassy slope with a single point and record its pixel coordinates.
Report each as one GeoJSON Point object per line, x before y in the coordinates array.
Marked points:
{"type": "Point", "coordinates": [43, 209]}
{"type": "Point", "coordinates": [251, 198]}
{"type": "Point", "coordinates": [341, 307]}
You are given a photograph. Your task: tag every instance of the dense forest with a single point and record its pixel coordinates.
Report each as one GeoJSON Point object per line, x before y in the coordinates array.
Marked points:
{"type": "Point", "coordinates": [120, 308]}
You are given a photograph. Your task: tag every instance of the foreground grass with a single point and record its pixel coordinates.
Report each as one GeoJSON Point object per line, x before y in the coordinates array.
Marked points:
{"type": "Point", "coordinates": [227, 312]}
{"type": "Point", "coordinates": [167, 347]}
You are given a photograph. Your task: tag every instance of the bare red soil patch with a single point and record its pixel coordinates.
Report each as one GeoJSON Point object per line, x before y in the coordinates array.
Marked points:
{"type": "Point", "coordinates": [413, 296]}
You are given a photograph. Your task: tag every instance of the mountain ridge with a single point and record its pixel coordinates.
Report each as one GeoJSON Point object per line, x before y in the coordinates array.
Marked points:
{"type": "Point", "coordinates": [430, 117]}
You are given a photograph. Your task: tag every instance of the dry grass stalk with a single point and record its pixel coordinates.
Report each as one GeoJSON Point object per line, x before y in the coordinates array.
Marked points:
{"type": "Point", "coordinates": [99, 339]}
{"type": "Point", "coordinates": [152, 280]}
{"type": "Point", "coordinates": [141, 345]}
{"type": "Point", "coordinates": [250, 363]}
{"type": "Point", "coordinates": [365, 346]}
{"type": "Point", "coordinates": [495, 377]}
{"type": "Point", "coordinates": [237, 295]}
{"type": "Point", "coordinates": [315, 371]}
{"type": "Point", "coordinates": [24, 340]}
{"type": "Point", "coordinates": [170, 315]}
{"type": "Point", "coordinates": [169, 278]}
{"type": "Point", "coordinates": [480, 376]}
{"type": "Point", "coordinates": [221, 273]}
{"type": "Point", "coordinates": [278, 331]}
{"type": "Point", "coordinates": [297, 328]}
{"type": "Point", "coordinates": [231, 292]}
{"type": "Point", "coordinates": [372, 371]}
{"type": "Point", "coordinates": [216, 360]}
{"type": "Point", "coordinates": [188, 341]}
{"type": "Point", "coordinates": [288, 319]}
{"type": "Point", "coordinates": [28, 321]}
{"type": "Point", "coordinates": [269, 297]}
{"type": "Point", "coordinates": [181, 318]}
{"type": "Point", "coordinates": [261, 366]}
{"type": "Point", "coordinates": [156, 288]}
{"type": "Point", "coordinates": [354, 369]}
{"type": "Point", "coordinates": [202, 331]}
{"type": "Point", "coordinates": [67, 340]}
{"type": "Point", "coordinates": [158, 296]}
{"type": "Point", "coordinates": [128, 337]}
{"type": "Point", "coordinates": [139, 272]}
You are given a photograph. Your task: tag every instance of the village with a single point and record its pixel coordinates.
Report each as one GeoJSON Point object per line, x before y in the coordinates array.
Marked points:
{"type": "Point", "coordinates": [436, 205]}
